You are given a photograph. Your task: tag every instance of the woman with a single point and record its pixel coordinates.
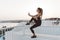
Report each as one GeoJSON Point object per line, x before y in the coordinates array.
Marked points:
{"type": "Point", "coordinates": [37, 20]}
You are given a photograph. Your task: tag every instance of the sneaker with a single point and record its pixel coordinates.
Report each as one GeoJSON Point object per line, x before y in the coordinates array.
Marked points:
{"type": "Point", "coordinates": [28, 24]}
{"type": "Point", "coordinates": [33, 36]}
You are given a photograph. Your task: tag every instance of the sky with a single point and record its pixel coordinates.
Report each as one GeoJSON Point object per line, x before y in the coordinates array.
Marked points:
{"type": "Point", "coordinates": [19, 9]}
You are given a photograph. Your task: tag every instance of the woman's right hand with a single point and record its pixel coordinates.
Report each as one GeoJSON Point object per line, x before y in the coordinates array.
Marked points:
{"type": "Point", "coordinates": [29, 14]}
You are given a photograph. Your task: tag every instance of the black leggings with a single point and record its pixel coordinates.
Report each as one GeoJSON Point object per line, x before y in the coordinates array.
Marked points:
{"type": "Point", "coordinates": [37, 23]}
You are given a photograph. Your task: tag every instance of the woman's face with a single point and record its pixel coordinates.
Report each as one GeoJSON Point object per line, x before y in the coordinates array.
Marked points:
{"type": "Point", "coordinates": [38, 11]}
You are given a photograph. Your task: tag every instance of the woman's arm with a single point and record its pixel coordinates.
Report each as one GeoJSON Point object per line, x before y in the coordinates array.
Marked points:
{"type": "Point", "coordinates": [30, 15]}
{"type": "Point", "coordinates": [38, 15]}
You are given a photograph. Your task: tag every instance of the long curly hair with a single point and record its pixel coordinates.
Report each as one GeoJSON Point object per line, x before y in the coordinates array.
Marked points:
{"type": "Point", "coordinates": [40, 9]}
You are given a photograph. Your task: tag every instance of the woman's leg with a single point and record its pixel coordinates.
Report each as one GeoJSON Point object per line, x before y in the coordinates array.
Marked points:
{"type": "Point", "coordinates": [31, 28]}
{"type": "Point", "coordinates": [30, 21]}
{"type": "Point", "coordinates": [34, 26]}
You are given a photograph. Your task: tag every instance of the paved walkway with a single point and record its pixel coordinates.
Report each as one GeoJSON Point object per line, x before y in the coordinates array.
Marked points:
{"type": "Point", "coordinates": [22, 32]}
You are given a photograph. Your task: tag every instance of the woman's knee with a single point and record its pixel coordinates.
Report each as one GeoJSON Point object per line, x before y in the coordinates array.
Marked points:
{"type": "Point", "coordinates": [31, 28]}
